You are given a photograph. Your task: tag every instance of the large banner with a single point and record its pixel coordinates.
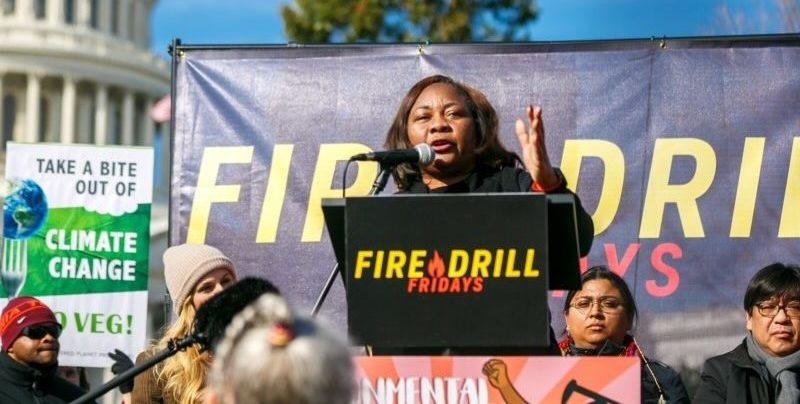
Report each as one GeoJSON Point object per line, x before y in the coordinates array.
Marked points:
{"type": "Point", "coordinates": [686, 153]}
{"type": "Point", "coordinates": [77, 235]}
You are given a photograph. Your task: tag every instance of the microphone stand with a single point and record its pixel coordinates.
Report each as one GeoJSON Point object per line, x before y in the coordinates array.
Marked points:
{"type": "Point", "coordinates": [172, 348]}
{"type": "Point", "coordinates": [377, 187]}
{"type": "Point", "coordinates": [381, 180]}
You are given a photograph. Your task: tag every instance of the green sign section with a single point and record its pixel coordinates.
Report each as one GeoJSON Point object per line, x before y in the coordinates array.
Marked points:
{"type": "Point", "coordinates": [79, 252]}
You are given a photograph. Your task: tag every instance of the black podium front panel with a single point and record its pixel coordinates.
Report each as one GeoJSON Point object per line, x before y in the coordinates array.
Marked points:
{"type": "Point", "coordinates": [447, 270]}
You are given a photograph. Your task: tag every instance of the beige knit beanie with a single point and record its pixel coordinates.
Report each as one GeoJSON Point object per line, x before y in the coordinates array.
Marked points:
{"type": "Point", "coordinates": [185, 264]}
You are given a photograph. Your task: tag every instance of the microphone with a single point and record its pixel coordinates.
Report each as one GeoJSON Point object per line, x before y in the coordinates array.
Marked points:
{"type": "Point", "coordinates": [214, 316]}
{"type": "Point", "coordinates": [210, 322]}
{"type": "Point", "coordinates": [422, 154]}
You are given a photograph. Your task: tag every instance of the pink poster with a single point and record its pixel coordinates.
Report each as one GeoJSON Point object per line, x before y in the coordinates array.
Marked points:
{"type": "Point", "coordinates": [509, 380]}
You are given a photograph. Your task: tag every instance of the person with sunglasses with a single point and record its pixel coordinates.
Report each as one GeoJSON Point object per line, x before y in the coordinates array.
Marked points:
{"type": "Point", "coordinates": [599, 319]}
{"type": "Point", "coordinates": [29, 335]}
{"type": "Point", "coordinates": [765, 367]}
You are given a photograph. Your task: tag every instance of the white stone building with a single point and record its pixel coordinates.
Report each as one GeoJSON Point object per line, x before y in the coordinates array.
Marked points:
{"type": "Point", "coordinates": [80, 71]}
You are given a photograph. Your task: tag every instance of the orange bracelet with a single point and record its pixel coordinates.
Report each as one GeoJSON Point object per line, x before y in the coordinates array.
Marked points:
{"type": "Point", "coordinates": [536, 188]}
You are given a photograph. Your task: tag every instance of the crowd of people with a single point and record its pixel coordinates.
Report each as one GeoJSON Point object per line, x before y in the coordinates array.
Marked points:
{"type": "Point", "coordinates": [599, 320]}
{"type": "Point", "coordinates": [303, 361]}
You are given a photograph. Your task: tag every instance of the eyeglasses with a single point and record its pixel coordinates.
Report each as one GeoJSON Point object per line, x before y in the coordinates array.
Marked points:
{"type": "Point", "coordinates": [608, 305]}
{"type": "Point", "coordinates": [39, 331]}
{"type": "Point", "coordinates": [770, 309]}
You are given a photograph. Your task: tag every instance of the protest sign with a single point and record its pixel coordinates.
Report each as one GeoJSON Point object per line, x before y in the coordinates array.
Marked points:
{"type": "Point", "coordinates": [76, 236]}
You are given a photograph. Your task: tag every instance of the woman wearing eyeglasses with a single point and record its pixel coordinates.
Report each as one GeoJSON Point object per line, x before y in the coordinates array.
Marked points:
{"type": "Point", "coordinates": [599, 319]}
{"type": "Point", "coordinates": [765, 367]}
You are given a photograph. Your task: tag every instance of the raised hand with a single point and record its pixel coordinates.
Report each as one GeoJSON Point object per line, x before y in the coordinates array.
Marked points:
{"type": "Point", "coordinates": [534, 151]}
{"type": "Point", "coordinates": [497, 373]}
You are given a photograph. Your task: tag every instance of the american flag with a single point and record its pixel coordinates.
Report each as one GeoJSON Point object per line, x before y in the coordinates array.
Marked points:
{"type": "Point", "coordinates": [161, 111]}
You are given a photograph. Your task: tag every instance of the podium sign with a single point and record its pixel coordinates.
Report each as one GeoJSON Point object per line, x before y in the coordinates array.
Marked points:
{"type": "Point", "coordinates": [464, 270]}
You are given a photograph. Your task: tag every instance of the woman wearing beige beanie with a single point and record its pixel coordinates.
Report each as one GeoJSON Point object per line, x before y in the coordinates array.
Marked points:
{"type": "Point", "coordinates": [194, 273]}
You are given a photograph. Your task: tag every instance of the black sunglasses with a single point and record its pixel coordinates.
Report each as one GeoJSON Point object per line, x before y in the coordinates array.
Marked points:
{"type": "Point", "coordinates": [39, 331]}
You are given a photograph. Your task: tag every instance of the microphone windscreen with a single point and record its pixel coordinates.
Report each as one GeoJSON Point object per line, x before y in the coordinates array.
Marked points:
{"type": "Point", "coordinates": [213, 316]}
{"type": "Point", "coordinates": [426, 154]}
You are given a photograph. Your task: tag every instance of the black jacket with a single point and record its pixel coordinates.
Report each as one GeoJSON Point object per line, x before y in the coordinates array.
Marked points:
{"type": "Point", "coordinates": [511, 179]}
{"type": "Point", "coordinates": [734, 377]}
{"type": "Point", "coordinates": [669, 380]}
{"type": "Point", "coordinates": [23, 384]}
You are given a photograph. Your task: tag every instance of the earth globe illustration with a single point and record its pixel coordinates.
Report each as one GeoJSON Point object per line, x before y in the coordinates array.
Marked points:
{"type": "Point", "coordinates": [24, 210]}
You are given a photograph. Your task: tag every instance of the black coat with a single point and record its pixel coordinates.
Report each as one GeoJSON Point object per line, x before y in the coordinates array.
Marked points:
{"type": "Point", "coordinates": [23, 384]}
{"type": "Point", "coordinates": [734, 377]}
{"type": "Point", "coordinates": [511, 179]}
{"type": "Point", "coordinates": [669, 380]}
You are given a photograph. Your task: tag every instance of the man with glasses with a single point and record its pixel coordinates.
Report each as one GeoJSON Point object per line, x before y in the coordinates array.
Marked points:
{"type": "Point", "coordinates": [29, 358]}
{"type": "Point", "coordinates": [765, 367]}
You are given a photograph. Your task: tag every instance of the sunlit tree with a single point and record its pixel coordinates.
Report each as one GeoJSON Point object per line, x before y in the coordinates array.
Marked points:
{"type": "Point", "coordinates": [767, 17]}
{"type": "Point", "coordinates": [325, 21]}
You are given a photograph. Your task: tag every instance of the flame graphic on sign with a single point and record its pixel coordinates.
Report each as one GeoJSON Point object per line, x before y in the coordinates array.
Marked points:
{"type": "Point", "coordinates": [436, 265]}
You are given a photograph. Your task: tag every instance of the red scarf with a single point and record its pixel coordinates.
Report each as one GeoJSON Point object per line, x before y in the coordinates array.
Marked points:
{"type": "Point", "coordinates": [567, 348]}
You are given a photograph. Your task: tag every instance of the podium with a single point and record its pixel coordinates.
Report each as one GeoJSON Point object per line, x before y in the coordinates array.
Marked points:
{"type": "Point", "coordinates": [453, 270]}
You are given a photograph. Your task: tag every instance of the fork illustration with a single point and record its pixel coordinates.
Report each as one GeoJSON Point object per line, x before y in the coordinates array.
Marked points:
{"type": "Point", "coordinates": [15, 266]}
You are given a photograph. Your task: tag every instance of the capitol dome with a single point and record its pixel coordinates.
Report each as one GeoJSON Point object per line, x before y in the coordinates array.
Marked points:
{"type": "Point", "coordinates": [78, 71]}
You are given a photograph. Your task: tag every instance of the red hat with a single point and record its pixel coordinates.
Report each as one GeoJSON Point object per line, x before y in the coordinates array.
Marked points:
{"type": "Point", "coordinates": [21, 312]}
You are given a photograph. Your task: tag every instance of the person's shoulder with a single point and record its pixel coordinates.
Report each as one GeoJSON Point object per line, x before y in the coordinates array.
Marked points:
{"type": "Point", "coordinates": [146, 354]}
{"type": "Point", "coordinates": [143, 357]}
{"type": "Point", "coordinates": [725, 365]}
{"type": "Point", "coordinates": [5, 360]}
{"type": "Point", "coordinates": [723, 357]}
{"type": "Point", "coordinates": [662, 371]}
{"type": "Point", "coordinates": [11, 369]}
{"type": "Point", "coordinates": [669, 380]}
{"type": "Point", "coordinates": [716, 375]}
{"type": "Point", "coordinates": [735, 355]}
{"type": "Point", "coordinates": [661, 366]}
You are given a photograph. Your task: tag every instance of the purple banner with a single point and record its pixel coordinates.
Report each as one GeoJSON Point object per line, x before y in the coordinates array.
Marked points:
{"type": "Point", "coordinates": [686, 153]}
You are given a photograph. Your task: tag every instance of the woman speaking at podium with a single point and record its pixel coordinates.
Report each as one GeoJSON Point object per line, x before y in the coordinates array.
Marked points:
{"type": "Point", "coordinates": [459, 123]}
{"type": "Point", "coordinates": [461, 126]}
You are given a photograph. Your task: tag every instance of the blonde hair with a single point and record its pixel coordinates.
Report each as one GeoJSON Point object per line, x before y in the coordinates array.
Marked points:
{"type": "Point", "coordinates": [183, 374]}
{"type": "Point", "coordinates": [298, 361]}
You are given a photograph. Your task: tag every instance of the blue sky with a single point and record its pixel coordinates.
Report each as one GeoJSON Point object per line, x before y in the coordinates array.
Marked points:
{"type": "Point", "coordinates": [259, 21]}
